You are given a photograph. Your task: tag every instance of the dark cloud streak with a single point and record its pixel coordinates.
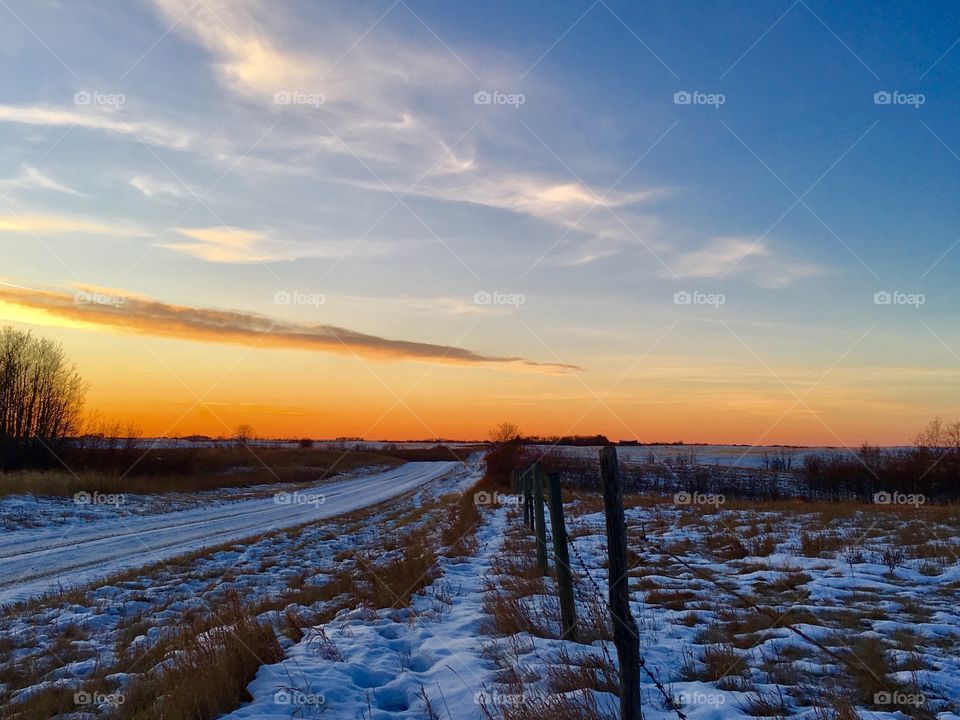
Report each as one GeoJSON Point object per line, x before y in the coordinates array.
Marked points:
{"type": "Point", "coordinates": [138, 314]}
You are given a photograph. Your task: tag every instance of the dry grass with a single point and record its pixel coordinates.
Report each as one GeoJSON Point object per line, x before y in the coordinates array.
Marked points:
{"type": "Point", "coordinates": [208, 671]}
{"type": "Point", "coordinates": [409, 569]}
{"type": "Point", "coordinates": [720, 664]}
{"type": "Point", "coordinates": [161, 470]}
{"type": "Point", "coordinates": [820, 544]}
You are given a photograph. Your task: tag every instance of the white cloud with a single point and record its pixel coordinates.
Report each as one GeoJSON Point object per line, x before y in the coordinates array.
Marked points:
{"type": "Point", "coordinates": [149, 132]}
{"type": "Point", "coordinates": [740, 256]}
{"type": "Point", "coordinates": [54, 225]}
{"type": "Point", "coordinates": [223, 244]}
{"type": "Point", "coordinates": [151, 187]}
{"type": "Point", "coordinates": [238, 245]}
{"type": "Point", "coordinates": [32, 177]}
{"type": "Point", "coordinates": [392, 110]}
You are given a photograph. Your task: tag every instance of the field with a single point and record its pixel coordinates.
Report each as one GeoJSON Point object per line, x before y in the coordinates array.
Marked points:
{"type": "Point", "coordinates": [425, 602]}
{"type": "Point", "coordinates": [771, 609]}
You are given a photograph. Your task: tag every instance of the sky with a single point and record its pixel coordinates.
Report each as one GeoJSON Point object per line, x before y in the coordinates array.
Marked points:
{"type": "Point", "coordinates": [730, 221]}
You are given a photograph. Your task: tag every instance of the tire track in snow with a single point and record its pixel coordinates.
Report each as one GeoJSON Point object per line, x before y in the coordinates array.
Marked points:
{"type": "Point", "coordinates": [105, 548]}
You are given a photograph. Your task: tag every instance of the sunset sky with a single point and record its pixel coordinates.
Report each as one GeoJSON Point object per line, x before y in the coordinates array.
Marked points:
{"type": "Point", "coordinates": [722, 221]}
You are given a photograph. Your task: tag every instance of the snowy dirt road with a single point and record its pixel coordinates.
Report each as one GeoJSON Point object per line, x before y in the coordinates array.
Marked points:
{"type": "Point", "coordinates": [36, 561]}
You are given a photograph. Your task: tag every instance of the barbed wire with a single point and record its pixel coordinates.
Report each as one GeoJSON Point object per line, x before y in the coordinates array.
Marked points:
{"type": "Point", "coordinates": [668, 700]}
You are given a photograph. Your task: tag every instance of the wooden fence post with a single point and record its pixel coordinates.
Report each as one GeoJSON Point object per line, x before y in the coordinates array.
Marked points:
{"type": "Point", "coordinates": [525, 483]}
{"type": "Point", "coordinates": [625, 635]}
{"type": "Point", "coordinates": [540, 521]}
{"type": "Point", "coordinates": [568, 607]}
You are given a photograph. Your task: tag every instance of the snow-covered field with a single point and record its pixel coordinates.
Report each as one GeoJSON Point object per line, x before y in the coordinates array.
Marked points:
{"type": "Point", "coordinates": [741, 456]}
{"type": "Point", "coordinates": [758, 609]}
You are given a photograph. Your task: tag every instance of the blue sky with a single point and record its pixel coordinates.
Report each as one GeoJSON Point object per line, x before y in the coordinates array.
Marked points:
{"type": "Point", "coordinates": [212, 154]}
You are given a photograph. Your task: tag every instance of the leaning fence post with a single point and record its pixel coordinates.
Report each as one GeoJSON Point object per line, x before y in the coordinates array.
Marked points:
{"type": "Point", "coordinates": [625, 636]}
{"type": "Point", "coordinates": [568, 607]}
{"type": "Point", "coordinates": [540, 521]}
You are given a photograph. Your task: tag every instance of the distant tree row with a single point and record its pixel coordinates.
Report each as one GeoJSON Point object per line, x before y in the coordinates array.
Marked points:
{"type": "Point", "coordinates": [931, 468]}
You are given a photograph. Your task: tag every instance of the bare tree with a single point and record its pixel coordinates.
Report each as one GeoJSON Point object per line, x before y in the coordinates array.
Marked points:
{"type": "Point", "coordinates": [505, 432]}
{"type": "Point", "coordinates": [41, 397]}
{"type": "Point", "coordinates": [504, 452]}
{"type": "Point", "coordinates": [243, 435]}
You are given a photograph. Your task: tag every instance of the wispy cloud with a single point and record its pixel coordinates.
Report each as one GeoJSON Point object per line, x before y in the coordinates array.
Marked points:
{"type": "Point", "coordinates": [32, 177]}
{"type": "Point", "coordinates": [141, 315]}
{"type": "Point", "coordinates": [54, 225]}
{"type": "Point", "coordinates": [239, 246]}
{"type": "Point", "coordinates": [223, 244]}
{"type": "Point", "coordinates": [151, 187]}
{"type": "Point", "coordinates": [109, 122]}
{"type": "Point", "coordinates": [401, 107]}
{"type": "Point", "coordinates": [742, 256]}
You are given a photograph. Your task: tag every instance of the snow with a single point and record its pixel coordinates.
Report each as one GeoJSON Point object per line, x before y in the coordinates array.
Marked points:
{"type": "Point", "coordinates": [77, 551]}
{"type": "Point", "coordinates": [390, 658]}
{"type": "Point", "coordinates": [742, 456]}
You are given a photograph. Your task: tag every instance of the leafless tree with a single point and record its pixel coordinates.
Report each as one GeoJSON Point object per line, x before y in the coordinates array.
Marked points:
{"type": "Point", "coordinates": [243, 435]}
{"type": "Point", "coordinates": [41, 397]}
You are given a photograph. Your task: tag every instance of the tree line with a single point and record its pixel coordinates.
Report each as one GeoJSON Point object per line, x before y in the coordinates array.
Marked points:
{"type": "Point", "coordinates": [41, 399]}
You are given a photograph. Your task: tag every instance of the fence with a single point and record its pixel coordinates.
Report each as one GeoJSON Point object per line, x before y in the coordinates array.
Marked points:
{"type": "Point", "coordinates": [534, 485]}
